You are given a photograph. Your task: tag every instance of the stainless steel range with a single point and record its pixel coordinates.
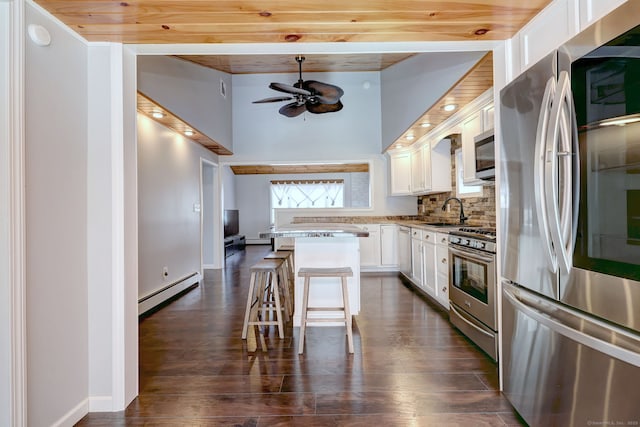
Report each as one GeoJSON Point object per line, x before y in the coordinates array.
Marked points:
{"type": "Point", "coordinates": [472, 290]}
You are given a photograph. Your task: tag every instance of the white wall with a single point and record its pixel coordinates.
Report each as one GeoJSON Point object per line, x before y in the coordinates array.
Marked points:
{"type": "Point", "coordinates": [263, 135]}
{"type": "Point", "coordinates": [190, 91]}
{"type": "Point", "coordinates": [209, 192]}
{"type": "Point", "coordinates": [255, 203]}
{"type": "Point", "coordinates": [101, 232]}
{"type": "Point", "coordinates": [411, 87]}
{"type": "Point", "coordinates": [5, 213]}
{"type": "Point", "coordinates": [168, 188]}
{"type": "Point", "coordinates": [227, 179]}
{"type": "Point", "coordinates": [260, 133]}
{"type": "Point", "coordinates": [56, 224]}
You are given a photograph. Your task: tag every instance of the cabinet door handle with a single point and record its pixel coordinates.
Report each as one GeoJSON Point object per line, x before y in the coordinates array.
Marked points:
{"type": "Point", "coordinates": [444, 240]}
{"type": "Point", "coordinates": [444, 289]}
{"type": "Point", "coordinates": [426, 236]}
{"type": "Point", "coordinates": [444, 260]}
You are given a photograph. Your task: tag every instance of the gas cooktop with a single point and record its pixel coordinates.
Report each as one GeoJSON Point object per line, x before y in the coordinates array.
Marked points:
{"type": "Point", "coordinates": [483, 233]}
{"type": "Point", "coordinates": [480, 238]}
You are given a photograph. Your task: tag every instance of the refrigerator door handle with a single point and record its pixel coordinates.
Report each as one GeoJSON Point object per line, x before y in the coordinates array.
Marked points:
{"type": "Point", "coordinates": [558, 202]}
{"type": "Point", "coordinates": [539, 174]}
{"type": "Point", "coordinates": [548, 314]}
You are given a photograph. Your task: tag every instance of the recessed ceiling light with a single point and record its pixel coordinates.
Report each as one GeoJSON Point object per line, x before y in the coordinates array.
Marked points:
{"type": "Point", "coordinates": [425, 124]}
{"type": "Point", "coordinates": [410, 137]}
{"type": "Point", "coordinates": [189, 132]}
{"type": "Point", "coordinates": [157, 114]}
{"type": "Point", "coordinates": [449, 107]}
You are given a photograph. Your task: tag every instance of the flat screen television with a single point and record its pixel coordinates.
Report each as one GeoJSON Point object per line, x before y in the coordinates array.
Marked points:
{"type": "Point", "coordinates": [231, 224]}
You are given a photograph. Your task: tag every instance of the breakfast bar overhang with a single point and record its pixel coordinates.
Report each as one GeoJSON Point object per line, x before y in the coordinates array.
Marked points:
{"type": "Point", "coordinates": [324, 245]}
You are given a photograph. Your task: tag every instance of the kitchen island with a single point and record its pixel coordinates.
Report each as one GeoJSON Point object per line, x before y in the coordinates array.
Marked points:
{"type": "Point", "coordinates": [324, 245]}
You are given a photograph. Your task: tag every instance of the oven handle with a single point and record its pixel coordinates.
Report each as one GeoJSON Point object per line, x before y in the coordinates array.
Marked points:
{"type": "Point", "coordinates": [470, 255]}
{"type": "Point", "coordinates": [475, 327]}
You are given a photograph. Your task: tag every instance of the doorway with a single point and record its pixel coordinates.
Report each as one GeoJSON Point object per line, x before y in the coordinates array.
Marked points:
{"type": "Point", "coordinates": [209, 215]}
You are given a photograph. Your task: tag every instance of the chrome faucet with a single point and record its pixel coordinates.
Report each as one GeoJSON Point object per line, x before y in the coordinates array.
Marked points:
{"type": "Point", "coordinates": [462, 217]}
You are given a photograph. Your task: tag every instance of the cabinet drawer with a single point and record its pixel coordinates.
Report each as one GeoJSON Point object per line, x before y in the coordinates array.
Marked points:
{"type": "Point", "coordinates": [442, 239]}
{"type": "Point", "coordinates": [429, 236]}
{"type": "Point", "coordinates": [442, 259]}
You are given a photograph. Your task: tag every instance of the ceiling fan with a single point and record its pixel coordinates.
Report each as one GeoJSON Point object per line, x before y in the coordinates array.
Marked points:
{"type": "Point", "coordinates": [312, 96]}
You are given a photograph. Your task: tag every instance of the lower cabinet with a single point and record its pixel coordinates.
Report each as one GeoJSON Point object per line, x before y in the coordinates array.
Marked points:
{"type": "Point", "coordinates": [370, 246]}
{"type": "Point", "coordinates": [430, 263]}
{"type": "Point", "coordinates": [442, 269]}
{"type": "Point", "coordinates": [389, 245]}
{"type": "Point", "coordinates": [417, 263]}
{"type": "Point", "coordinates": [428, 260]}
{"type": "Point", "coordinates": [404, 250]}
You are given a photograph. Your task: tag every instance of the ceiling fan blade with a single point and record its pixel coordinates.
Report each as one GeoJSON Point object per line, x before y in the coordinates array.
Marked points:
{"type": "Point", "coordinates": [273, 99]}
{"type": "Point", "coordinates": [323, 108]}
{"type": "Point", "coordinates": [281, 87]}
{"type": "Point", "coordinates": [292, 110]}
{"type": "Point", "coordinates": [325, 93]}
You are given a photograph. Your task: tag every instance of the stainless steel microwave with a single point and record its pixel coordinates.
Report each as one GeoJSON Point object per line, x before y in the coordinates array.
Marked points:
{"type": "Point", "coordinates": [485, 156]}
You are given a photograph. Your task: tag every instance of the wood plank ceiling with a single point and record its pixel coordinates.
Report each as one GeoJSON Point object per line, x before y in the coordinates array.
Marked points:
{"type": "Point", "coordinates": [290, 21]}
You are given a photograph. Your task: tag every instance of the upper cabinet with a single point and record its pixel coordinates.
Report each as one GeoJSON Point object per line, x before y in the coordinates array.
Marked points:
{"type": "Point", "coordinates": [429, 169]}
{"type": "Point", "coordinates": [477, 122]}
{"type": "Point", "coordinates": [400, 173]}
{"type": "Point", "coordinates": [592, 10]}
{"type": "Point", "coordinates": [554, 25]}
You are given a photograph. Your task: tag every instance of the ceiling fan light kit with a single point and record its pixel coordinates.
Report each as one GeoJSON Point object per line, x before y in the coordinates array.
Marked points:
{"type": "Point", "coordinates": [311, 95]}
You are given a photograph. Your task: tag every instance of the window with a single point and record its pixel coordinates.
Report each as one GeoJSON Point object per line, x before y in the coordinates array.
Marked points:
{"type": "Point", "coordinates": [300, 194]}
{"type": "Point", "coordinates": [461, 189]}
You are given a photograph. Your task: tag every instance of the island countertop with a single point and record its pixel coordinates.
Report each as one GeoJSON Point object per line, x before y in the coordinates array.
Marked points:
{"type": "Point", "coordinates": [315, 230]}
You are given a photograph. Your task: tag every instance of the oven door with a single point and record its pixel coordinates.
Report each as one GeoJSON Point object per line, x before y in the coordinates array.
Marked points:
{"type": "Point", "coordinates": [472, 283]}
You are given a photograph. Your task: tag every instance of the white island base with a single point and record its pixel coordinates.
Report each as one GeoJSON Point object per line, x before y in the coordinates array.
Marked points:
{"type": "Point", "coordinates": [332, 252]}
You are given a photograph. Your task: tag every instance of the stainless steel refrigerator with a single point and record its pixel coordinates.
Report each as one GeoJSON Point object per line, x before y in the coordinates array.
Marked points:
{"type": "Point", "coordinates": [570, 230]}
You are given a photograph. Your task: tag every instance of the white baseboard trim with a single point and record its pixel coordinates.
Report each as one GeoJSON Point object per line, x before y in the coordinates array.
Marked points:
{"type": "Point", "coordinates": [147, 303]}
{"type": "Point", "coordinates": [74, 415]}
{"type": "Point", "coordinates": [377, 269]}
{"type": "Point", "coordinates": [101, 404]}
{"type": "Point", "coordinates": [258, 241]}
{"type": "Point", "coordinates": [209, 266]}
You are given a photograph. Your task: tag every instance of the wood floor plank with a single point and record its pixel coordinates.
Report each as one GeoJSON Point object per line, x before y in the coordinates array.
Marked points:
{"type": "Point", "coordinates": [410, 367]}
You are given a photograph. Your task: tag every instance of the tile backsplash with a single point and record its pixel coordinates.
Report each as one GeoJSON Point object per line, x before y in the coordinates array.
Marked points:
{"type": "Point", "coordinates": [481, 210]}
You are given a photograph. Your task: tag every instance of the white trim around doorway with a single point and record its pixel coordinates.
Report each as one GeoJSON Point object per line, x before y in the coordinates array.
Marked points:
{"type": "Point", "coordinates": [12, 234]}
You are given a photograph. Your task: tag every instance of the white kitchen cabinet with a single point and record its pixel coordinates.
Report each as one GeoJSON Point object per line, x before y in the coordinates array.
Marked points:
{"type": "Point", "coordinates": [418, 170]}
{"type": "Point", "coordinates": [442, 269]}
{"type": "Point", "coordinates": [400, 173]}
{"type": "Point", "coordinates": [592, 10]}
{"type": "Point", "coordinates": [554, 25]}
{"type": "Point", "coordinates": [471, 127]}
{"type": "Point", "coordinates": [479, 121]}
{"type": "Point", "coordinates": [404, 250]}
{"type": "Point", "coordinates": [388, 245]}
{"type": "Point", "coordinates": [417, 271]}
{"type": "Point", "coordinates": [429, 262]}
{"type": "Point", "coordinates": [370, 246]}
{"type": "Point", "coordinates": [440, 166]}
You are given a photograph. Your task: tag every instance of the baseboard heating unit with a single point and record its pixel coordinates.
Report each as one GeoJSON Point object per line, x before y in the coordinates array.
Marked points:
{"type": "Point", "coordinates": [152, 300]}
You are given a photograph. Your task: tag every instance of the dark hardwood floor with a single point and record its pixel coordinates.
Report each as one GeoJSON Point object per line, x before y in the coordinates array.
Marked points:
{"type": "Point", "coordinates": [410, 367]}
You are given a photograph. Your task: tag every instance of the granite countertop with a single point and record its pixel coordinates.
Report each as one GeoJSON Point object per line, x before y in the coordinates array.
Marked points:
{"type": "Point", "coordinates": [409, 221]}
{"type": "Point", "coordinates": [315, 230]}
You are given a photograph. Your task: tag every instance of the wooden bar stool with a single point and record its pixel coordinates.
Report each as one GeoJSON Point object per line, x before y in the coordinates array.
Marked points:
{"type": "Point", "coordinates": [264, 297]}
{"type": "Point", "coordinates": [342, 273]}
{"type": "Point", "coordinates": [288, 272]}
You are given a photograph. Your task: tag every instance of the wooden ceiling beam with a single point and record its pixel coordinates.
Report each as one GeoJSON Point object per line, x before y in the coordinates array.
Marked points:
{"type": "Point", "coordinates": [299, 168]}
